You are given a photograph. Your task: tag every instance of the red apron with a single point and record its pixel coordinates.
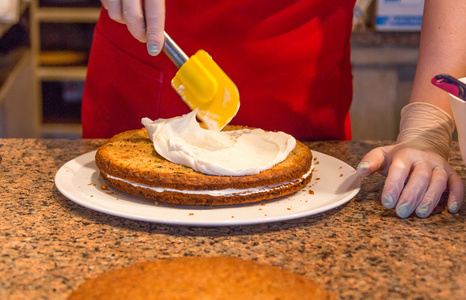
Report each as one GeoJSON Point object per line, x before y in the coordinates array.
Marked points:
{"type": "Point", "coordinates": [289, 59]}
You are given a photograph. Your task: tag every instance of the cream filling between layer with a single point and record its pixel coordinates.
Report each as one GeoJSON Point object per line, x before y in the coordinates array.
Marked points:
{"type": "Point", "coordinates": [181, 140]}
{"type": "Point", "coordinates": [217, 193]}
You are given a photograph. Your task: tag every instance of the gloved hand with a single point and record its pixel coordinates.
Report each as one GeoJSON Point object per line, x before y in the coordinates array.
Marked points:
{"type": "Point", "coordinates": [419, 156]}
{"type": "Point", "coordinates": [146, 23]}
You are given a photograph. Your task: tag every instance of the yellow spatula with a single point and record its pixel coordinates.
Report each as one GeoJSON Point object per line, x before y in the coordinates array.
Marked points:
{"type": "Point", "coordinates": [203, 85]}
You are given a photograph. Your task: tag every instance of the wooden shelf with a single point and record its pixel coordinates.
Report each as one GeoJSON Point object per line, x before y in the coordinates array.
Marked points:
{"type": "Point", "coordinates": [61, 73]}
{"type": "Point", "coordinates": [67, 15]}
{"type": "Point", "coordinates": [45, 73]}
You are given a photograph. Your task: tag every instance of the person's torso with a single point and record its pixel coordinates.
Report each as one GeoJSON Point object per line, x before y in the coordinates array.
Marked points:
{"type": "Point", "coordinates": [289, 59]}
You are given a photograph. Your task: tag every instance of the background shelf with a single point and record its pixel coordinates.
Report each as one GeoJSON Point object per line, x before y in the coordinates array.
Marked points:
{"type": "Point", "coordinates": [61, 37]}
{"type": "Point", "coordinates": [67, 15]}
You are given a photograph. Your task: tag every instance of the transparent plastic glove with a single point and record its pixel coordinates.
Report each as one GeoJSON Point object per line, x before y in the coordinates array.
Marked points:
{"type": "Point", "coordinates": [146, 22]}
{"type": "Point", "coordinates": [418, 158]}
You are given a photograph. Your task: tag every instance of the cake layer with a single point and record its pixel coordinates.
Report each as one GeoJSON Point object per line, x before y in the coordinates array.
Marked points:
{"type": "Point", "coordinates": [200, 278]}
{"type": "Point", "coordinates": [131, 156]}
{"type": "Point", "coordinates": [129, 162]}
{"type": "Point", "coordinates": [209, 197]}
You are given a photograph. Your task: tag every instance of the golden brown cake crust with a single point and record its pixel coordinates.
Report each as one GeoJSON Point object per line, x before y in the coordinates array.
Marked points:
{"type": "Point", "coordinates": [200, 278]}
{"type": "Point", "coordinates": [205, 199]}
{"type": "Point", "coordinates": [131, 156]}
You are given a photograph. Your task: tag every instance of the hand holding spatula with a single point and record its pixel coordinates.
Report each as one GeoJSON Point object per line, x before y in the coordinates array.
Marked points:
{"type": "Point", "coordinates": [203, 85]}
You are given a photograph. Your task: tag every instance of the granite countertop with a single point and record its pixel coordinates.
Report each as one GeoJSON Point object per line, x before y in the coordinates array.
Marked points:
{"type": "Point", "coordinates": [49, 245]}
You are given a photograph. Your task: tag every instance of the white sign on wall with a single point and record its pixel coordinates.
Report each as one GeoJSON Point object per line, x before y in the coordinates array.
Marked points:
{"type": "Point", "coordinates": [399, 15]}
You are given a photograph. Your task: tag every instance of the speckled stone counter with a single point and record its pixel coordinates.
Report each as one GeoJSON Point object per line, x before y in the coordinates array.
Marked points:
{"type": "Point", "coordinates": [49, 245]}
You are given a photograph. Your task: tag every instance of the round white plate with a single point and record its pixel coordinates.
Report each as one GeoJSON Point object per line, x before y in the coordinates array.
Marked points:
{"type": "Point", "coordinates": [333, 184]}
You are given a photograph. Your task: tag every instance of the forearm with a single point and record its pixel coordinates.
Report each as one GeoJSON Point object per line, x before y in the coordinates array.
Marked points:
{"type": "Point", "coordinates": [442, 50]}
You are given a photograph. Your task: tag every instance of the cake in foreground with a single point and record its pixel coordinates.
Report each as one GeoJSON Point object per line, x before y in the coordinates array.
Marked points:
{"type": "Point", "coordinates": [129, 162]}
{"type": "Point", "coordinates": [200, 278]}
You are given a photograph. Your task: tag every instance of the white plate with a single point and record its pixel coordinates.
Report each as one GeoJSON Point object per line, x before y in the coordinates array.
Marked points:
{"type": "Point", "coordinates": [333, 184]}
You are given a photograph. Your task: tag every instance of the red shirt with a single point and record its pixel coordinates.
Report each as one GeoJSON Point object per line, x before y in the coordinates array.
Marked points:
{"type": "Point", "coordinates": [289, 59]}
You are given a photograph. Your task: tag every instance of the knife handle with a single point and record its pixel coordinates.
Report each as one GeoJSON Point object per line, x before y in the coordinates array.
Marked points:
{"type": "Point", "coordinates": [171, 49]}
{"type": "Point", "coordinates": [451, 85]}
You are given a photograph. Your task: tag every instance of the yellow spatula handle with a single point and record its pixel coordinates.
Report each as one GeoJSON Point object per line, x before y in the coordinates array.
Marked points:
{"type": "Point", "coordinates": [171, 49]}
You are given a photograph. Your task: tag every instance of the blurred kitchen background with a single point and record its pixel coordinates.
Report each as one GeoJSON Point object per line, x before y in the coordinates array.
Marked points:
{"type": "Point", "coordinates": [44, 46]}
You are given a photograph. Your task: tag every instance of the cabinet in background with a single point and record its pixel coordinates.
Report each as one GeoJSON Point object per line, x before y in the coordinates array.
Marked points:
{"type": "Point", "coordinates": [18, 110]}
{"type": "Point", "coordinates": [61, 37]}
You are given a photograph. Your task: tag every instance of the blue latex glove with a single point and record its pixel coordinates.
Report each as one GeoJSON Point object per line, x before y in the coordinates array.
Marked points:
{"type": "Point", "coordinates": [428, 175]}
{"type": "Point", "coordinates": [416, 167]}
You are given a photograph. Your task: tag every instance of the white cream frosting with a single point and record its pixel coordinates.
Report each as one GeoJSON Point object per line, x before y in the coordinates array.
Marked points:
{"type": "Point", "coordinates": [227, 153]}
{"type": "Point", "coordinates": [218, 193]}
